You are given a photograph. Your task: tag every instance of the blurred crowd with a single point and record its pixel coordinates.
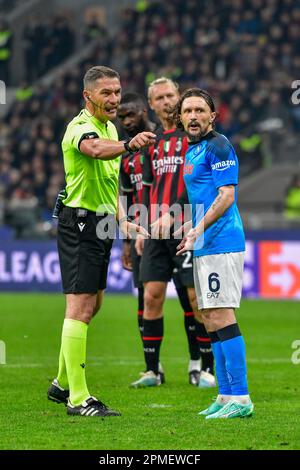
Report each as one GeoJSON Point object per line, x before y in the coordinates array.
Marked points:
{"type": "Point", "coordinates": [46, 44]}
{"type": "Point", "coordinates": [246, 53]}
{"type": "Point", "coordinates": [6, 6]}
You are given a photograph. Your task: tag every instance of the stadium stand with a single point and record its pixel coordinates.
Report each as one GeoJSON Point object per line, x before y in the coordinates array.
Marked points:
{"type": "Point", "coordinates": [6, 7]}
{"type": "Point", "coordinates": [262, 198]}
{"type": "Point", "coordinates": [245, 53]}
{"type": "Point", "coordinates": [46, 44]}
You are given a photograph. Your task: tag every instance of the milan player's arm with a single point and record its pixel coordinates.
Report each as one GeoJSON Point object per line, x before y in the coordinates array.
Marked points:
{"type": "Point", "coordinates": [129, 229]}
{"type": "Point", "coordinates": [147, 178]}
{"type": "Point", "coordinates": [182, 200]}
{"type": "Point", "coordinates": [126, 189]}
{"type": "Point", "coordinates": [162, 226]}
{"type": "Point", "coordinates": [126, 199]}
{"type": "Point", "coordinates": [146, 195]}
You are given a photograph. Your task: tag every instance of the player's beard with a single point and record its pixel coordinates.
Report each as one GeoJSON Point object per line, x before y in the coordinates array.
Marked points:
{"type": "Point", "coordinates": [169, 114]}
{"type": "Point", "coordinates": [196, 137]}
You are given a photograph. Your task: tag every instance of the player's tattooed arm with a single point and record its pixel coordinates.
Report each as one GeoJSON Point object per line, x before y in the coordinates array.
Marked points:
{"type": "Point", "coordinates": [218, 201]}
{"type": "Point", "coordinates": [222, 202]}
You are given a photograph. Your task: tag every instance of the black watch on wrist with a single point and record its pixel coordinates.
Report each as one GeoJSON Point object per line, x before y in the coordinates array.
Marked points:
{"type": "Point", "coordinates": [127, 148]}
{"type": "Point", "coordinates": [124, 219]}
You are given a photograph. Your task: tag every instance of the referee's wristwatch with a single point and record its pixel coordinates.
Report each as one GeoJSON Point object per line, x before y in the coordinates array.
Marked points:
{"type": "Point", "coordinates": [127, 147]}
{"type": "Point", "coordinates": [124, 219]}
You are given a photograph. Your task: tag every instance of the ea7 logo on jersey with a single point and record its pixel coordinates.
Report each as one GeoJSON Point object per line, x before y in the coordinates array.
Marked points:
{"type": "Point", "coordinates": [224, 165]}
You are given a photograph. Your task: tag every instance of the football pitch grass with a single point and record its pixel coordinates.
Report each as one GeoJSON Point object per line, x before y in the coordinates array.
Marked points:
{"type": "Point", "coordinates": [156, 418]}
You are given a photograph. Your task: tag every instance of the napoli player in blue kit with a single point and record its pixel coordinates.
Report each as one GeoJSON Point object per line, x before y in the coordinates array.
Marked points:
{"type": "Point", "coordinates": [217, 239]}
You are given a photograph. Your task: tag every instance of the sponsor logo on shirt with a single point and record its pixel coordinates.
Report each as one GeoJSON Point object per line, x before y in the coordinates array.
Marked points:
{"type": "Point", "coordinates": [223, 165]}
{"type": "Point", "coordinates": [167, 164]}
{"type": "Point", "coordinates": [188, 169]}
{"type": "Point", "coordinates": [136, 180]}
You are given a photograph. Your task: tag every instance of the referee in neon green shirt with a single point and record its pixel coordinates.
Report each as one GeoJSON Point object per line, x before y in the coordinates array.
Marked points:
{"type": "Point", "coordinates": [91, 153]}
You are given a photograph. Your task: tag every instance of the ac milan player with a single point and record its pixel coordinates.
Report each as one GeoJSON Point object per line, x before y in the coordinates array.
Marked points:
{"type": "Point", "coordinates": [133, 116]}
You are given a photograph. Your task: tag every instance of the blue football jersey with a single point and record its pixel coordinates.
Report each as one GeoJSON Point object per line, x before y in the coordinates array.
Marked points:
{"type": "Point", "coordinates": [210, 164]}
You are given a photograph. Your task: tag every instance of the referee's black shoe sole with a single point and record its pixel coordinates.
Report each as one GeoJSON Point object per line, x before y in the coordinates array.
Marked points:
{"type": "Point", "coordinates": [57, 395]}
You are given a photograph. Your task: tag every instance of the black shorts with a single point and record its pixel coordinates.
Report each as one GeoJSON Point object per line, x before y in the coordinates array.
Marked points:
{"type": "Point", "coordinates": [83, 257]}
{"type": "Point", "coordinates": [159, 261]}
{"type": "Point", "coordinates": [136, 260]}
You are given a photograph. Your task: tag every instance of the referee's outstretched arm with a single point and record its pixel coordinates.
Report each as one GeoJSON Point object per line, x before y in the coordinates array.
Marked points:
{"type": "Point", "coordinates": [105, 149]}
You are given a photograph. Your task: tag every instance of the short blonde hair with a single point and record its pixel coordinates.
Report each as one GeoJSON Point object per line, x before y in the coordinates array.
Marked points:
{"type": "Point", "coordinates": [161, 81]}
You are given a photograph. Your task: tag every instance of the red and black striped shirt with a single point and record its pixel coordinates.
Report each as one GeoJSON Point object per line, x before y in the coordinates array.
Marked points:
{"type": "Point", "coordinates": [131, 175]}
{"type": "Point", "coordinates": [163, 170]}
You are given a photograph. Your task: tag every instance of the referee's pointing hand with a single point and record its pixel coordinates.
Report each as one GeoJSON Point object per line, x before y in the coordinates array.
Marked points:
{"type": "Point", "coordinates": [143, 139]}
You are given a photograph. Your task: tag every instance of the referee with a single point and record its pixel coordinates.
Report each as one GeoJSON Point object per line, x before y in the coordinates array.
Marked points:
{"type": "Point", "coordinates": [91, 152]}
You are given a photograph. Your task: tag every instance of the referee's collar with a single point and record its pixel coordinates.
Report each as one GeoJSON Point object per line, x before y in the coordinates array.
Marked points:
{"type": "Point", "coordinates": [207, 136]}
{"type": "Point", "coordinates": [86, 111]}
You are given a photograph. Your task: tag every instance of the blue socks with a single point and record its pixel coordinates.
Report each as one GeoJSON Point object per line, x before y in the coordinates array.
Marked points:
{"type": "Point", "coordinates": [230, 356]}
{"type": "Point", "coordinates": [221, 373]}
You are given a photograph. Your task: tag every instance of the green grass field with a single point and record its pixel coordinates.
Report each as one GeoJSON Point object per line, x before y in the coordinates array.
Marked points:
{"type": "Point", "coordinates": [159, 418]}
